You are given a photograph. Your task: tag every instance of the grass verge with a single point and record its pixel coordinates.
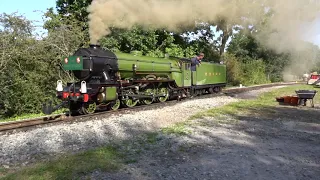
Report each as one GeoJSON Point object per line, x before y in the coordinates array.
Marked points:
{"type": "Point", "coordinates": [179, 129]}
{"type": "Point", "coordinates": [30, 116]}
{"type": "Point", "coordinates": [264, 101]}
{"type": "Point", "coordinates": [104, 159]}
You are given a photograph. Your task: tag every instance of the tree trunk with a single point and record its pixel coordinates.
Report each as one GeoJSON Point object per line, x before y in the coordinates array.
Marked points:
{"type": "Point", "coordinates": [225, 37]}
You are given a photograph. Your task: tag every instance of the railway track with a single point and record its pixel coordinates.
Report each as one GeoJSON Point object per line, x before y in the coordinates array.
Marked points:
{"type": "Point", "coordinates": [62, 118]}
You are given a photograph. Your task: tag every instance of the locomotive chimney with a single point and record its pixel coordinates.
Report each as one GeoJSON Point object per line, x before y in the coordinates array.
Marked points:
{"type": "Point", "coordinates": [94, 46]}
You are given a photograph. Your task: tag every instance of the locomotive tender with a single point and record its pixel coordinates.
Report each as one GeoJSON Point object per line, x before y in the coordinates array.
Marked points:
{"type": "Point", "coordinates": [108, 80]}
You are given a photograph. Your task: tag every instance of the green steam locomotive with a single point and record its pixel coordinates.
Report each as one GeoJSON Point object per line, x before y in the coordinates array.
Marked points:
{"type": "Point", "coordinates": [110, 80]}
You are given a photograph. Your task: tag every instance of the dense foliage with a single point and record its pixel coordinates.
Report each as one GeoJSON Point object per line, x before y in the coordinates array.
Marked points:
{"type": "Point", "coordinates": [29, 67]}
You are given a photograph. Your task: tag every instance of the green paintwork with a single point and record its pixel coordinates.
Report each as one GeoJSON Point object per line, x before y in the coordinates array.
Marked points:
{"type": "Point", "coordinates": [146, 65]}
{"type": "Point", "coordinates": [130, 102]}
{"type": "Point", "coordinates": [186, 74]}
{"type": "Point", "coordinates": [210, 73]}
{"type": "Point", "coordinates": [206, 73]}
{"type": "Point", "coordinates": [178, 77]}
{"type": "Point", "coordinates": [116, 105]}
{"type": "Point", "coordinates": [163, 91]}
{"type": "Point", "coordinates": [148, 92]}
{"type": "Point", "coordinates": [194, 77]}
{"type": "Point", "coordinates": [89, 108]}
{"type": "Point", "coordinates": [72, 63]}
{"type": "Point", "coordinates": [111, 93]}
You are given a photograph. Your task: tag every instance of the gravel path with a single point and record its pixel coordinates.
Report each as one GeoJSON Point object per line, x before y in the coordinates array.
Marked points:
{"type": "Point", "coordinates": [25, 147]}
{"type": "Point", "coordinates": [275, 146]}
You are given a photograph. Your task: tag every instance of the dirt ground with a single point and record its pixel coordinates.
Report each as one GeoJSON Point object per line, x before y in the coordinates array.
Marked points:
{"type": "Point", "coordinates": [273, 143]}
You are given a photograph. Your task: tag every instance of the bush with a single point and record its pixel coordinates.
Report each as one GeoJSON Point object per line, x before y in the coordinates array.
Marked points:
{"type": "Point", "coordinates": [233, 69]}
{"type": "Point", "coordinates": [246, 71]}
{"type": "Point", "coordinates": [253, 72]}
{"type": "Point", "coordinates": [155, 53]}
{"type": "Point", "coordinates": [190, 52]}
{"type": "Point", "coordinates": [175, 51]}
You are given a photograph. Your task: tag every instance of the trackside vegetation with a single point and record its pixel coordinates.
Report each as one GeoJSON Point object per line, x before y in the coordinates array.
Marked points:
{"type": "Point", "coordinates": [104, 159]}
{"type": "Point", "coordinates": [262, 105]}
{"type": "Point", "coordinates": [30, 61]}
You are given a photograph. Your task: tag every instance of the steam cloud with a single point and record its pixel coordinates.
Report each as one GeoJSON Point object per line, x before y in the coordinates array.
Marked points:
{"type": "Point", "coordinates": [292, 20]}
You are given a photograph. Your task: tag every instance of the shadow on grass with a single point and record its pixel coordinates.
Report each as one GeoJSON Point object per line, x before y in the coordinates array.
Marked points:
{"type": "Point", "coordinates": [69, 167]}
{"type": "Point", "coordinates": [286, 113]}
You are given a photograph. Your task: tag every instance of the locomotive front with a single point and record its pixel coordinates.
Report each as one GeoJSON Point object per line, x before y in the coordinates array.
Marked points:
{"type": "Point", "coordinates": [92, 66]}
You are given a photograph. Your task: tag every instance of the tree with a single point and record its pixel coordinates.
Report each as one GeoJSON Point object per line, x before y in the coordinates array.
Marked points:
{"type": "Point", "coordinates": [246, 47]}
{"type": "Point", "coordinates": [12, 34]}
{"type": "Point", "coordinates": [244, 44]}
{"type": "Point", "coordinates": [76, 8]}
{"type": "Point", "coordinates": [31, 67]}
{"type": "Point", "coordinates": [227, 31]}
{"type": "Point", "coordinates": [73, 30]}
{"type": "Point", "coordinates": [28, 75]}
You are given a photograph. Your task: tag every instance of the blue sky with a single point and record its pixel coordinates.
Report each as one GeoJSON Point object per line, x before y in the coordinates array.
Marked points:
{"type": "Point", "coordinates": [27, 8]}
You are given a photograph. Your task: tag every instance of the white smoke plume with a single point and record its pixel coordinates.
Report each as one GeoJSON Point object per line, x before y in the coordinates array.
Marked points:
{"type": "Point", "coordinates": [282, 32]}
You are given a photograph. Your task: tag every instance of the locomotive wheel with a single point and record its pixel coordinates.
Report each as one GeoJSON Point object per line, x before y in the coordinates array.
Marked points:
{"type": "Point", "coordinates": [148, 101]}
{"type": "Point", "coordinates": [116, 105]}
{"type": "Point", "coordinates": [211, 91]}
{"type": "Point", "coordinates": [165, 92]}
{"type": "Point", "coordinates": [217, 89]}
{"type": "Point", "coordinates": [89, 108]}
{"type": "Point", "coordinates": [130, 102]}
{"type": "Point", "coordinates": [198, 92]}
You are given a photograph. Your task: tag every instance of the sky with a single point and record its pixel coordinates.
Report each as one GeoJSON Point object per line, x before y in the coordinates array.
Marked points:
{"type": "Point", "coordinates": [28, 8]}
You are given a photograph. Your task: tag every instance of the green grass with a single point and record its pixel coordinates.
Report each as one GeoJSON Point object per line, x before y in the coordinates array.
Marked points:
{"type": "Point", "coordinates": [2, 171]}
{"type": "Point", "coordinates": [105, 159]}
{"type": "Point", "coordinates": [152, 138]}
{"type": "Point", "coordinates": [179, 129]}
{"type": "Point", "coordinates": [29, 116]}
{"type": "Point", "coordinates": [251, 106]}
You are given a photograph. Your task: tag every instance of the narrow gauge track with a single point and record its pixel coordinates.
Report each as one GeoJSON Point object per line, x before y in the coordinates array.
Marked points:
{"type": "Point", "coordinates": [62, 118]}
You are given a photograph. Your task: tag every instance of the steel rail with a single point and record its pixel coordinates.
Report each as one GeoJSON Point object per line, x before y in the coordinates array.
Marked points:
{"type": "Point", "coordinates": [30, 122]}
{"type": "Point", "coordinates": [13, 125]}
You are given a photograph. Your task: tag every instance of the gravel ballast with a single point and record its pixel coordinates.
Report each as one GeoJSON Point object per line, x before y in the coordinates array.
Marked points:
{"type": "Point", "coordinates": [285, 145]}
{"type": "Point", "coordinates": [25, 147]}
